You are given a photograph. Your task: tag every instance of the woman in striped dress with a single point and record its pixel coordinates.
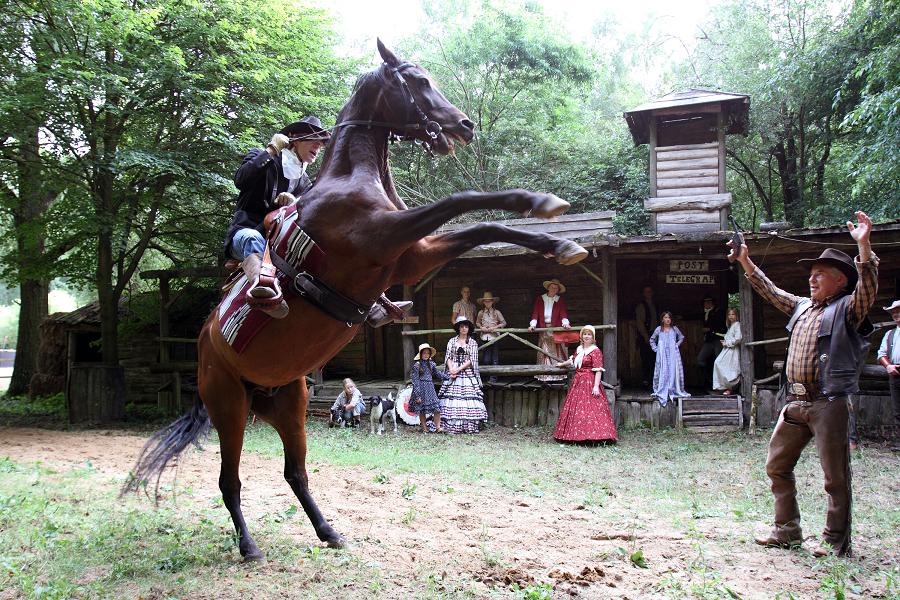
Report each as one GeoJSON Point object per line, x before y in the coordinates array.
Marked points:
{"type": "Point", "coordinates": [462, 401]}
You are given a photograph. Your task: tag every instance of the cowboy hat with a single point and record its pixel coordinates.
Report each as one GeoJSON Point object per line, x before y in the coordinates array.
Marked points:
{"type": "Point", "coordinates": [838, 260]}
{"type": "Point", "coordinates": [547, 283]}
{"type": "Point", "coordinates": [892, 307]}
{"type": "Point", "coordinates": [425, 346]}
{"type": "Point", "coordinates": [463, 320]}
{"type": "Point", "coordinates": [488, 296]}
{"type": "Point", "coordinates": [307, 128]}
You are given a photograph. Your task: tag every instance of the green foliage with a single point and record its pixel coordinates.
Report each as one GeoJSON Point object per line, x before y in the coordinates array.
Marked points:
{"type": "Point", "coordinates": [541, 103]}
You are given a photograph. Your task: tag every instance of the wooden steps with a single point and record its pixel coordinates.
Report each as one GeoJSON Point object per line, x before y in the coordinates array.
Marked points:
{"type": "Point", "coordinates": [710, 414]}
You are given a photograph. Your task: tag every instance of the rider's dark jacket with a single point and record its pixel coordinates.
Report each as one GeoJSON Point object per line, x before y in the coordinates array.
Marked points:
{"type": "Point", "coordinates": [260, 179]}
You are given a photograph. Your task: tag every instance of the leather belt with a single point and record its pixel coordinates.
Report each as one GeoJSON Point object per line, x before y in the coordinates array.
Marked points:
{"type": "Point", "coordinates": [800, 391]}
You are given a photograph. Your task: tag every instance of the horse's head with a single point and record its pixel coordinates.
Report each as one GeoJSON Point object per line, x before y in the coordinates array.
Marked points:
{"type": "Point", "coordinates": [402, 97]}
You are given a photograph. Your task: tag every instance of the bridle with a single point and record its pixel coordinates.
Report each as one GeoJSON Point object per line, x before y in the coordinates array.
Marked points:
{"type": "Point", "coordinates": [422, 123]}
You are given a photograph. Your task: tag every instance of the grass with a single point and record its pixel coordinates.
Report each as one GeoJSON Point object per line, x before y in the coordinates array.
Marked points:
{"type": "Point", "coordinates": [66, 534]}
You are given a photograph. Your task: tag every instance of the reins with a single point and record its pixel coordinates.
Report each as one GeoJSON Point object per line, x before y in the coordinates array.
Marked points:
{"type": "Point", "coordinates": [431, 128]}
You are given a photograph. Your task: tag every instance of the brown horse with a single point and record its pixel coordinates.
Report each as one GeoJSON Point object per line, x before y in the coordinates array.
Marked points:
{"type": "Point", "coordinates": [370, 242]}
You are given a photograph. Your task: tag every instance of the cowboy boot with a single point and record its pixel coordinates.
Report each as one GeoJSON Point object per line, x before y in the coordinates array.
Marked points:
{"type": "Point", "coordinates": [265, 293]}
{"type": "Point", "coordinates": [384, 311]}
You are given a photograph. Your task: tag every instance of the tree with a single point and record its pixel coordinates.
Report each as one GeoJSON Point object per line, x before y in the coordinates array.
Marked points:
{"type": "Point", "coordinates": [149, 106]}
{"type": "Point", "coordinates": [533, 94]}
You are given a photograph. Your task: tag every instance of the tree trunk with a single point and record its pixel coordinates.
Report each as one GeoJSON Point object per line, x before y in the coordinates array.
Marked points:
{"type": "Point", "coordinates": [30, 206]}
{"type": "Point", "coordinates": [32, 312]}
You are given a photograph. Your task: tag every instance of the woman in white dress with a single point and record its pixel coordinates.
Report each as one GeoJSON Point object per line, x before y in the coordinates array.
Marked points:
{"type": "Point", "coordinates": [727, 369]}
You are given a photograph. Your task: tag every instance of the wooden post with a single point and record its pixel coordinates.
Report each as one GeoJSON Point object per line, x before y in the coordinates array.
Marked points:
{"type": "Point", "coordinates": [754, 409]}
{"type": "Point", "coordinates": [172, 400]}
{"type": "Point", "coordinates": [720, 137]}
{"type": "Point", "coordinates": [747, 325]}
{"type": "Point", "coordinates": [409, 347]}
{"type": "Point", "coordinates": [652, 172]}
{"type": "Point", "coordinates": [610, 316]}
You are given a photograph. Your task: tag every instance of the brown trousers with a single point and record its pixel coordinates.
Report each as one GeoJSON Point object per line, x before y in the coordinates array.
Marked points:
{"type": "Point", "coordinates": [800, 421]}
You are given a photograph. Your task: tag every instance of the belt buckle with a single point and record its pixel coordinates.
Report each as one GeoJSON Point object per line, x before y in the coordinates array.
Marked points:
{"type": "Point", "coordinates": [797, 389]}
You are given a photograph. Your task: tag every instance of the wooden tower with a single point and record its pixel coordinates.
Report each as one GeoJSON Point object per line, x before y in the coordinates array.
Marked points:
{"type": "Point", "coordinates": [686, 132]}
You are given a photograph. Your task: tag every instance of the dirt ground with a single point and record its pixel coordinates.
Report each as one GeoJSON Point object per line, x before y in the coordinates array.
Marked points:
{"type": "Point", "coordinates": [534, 539]}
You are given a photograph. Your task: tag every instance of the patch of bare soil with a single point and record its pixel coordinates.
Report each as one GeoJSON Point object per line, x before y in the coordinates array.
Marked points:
{"type": "Point", "coordinates": [494, 538]}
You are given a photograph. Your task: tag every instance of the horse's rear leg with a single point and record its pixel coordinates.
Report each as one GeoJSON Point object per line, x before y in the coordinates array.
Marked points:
{"type": "Point", "coordinates": [435, 251]}
{"type": "Point", "coordinates": [286, 412]}
{"type": "Point", "coordinates": [228, 406]}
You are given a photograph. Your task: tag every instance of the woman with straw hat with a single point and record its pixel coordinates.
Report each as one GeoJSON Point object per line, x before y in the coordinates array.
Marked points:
{"type": "Point", "coordinates": [550, 311]}
{"type": "Point", "coordinates": [424, 399]}
{"type": "Point", "coordinates": [462, 401]}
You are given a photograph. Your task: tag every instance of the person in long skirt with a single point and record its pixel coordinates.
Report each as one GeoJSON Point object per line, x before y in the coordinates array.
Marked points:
{"type": "Point", "coordinates": [550, 311]}
{"type": "Point", "coordinates": [668, 377]}
{"type": "Point", "coordinates": [423, 399]}
{"type": "Point", "coordinates": [585, 415]}
{"type": "Point", "coordinates": [727, 369]}
{"type": "Point", "coordinates": [462, 401]}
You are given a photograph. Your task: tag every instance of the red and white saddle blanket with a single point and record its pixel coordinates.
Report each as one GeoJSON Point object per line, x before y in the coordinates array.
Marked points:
{"type": "Point", "coordinates": [239, 322]}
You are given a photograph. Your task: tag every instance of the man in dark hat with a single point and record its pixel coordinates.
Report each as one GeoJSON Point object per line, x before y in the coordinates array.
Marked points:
{"type": "Point", "coordinates": [713, 332]}
{"type": "Point", "coordinates": [826, 352]}
{"type": "Point", "coordinates": [269, 178]}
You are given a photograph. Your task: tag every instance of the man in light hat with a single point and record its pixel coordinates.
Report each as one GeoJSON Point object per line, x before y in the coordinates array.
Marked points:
{"type": "Point", "coordinates": [827, 349]}
{"type": "Point", "coordinates": [267, 179]}
{"type": "Point", "coordinates": [889, 357]}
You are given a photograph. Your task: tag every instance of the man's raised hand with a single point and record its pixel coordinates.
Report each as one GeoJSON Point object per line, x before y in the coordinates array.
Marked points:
{"type": "Point", "coordinates": [861, 231]}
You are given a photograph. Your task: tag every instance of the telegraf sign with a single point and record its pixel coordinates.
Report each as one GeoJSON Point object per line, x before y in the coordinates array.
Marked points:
{"type": "Point", "coordinates": [691, 278]}
{"type": "Point", "coordinates": [680, 275]}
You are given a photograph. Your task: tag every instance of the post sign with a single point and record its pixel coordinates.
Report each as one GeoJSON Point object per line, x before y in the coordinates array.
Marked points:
{"type": "Point", "coordinates": [695, 278]}
{"type": "Point", "coordinates": [680, 266]}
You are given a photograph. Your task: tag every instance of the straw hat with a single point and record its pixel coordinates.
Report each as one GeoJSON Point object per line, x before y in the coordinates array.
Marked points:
{"type": "Point", "coordinates": [425, 346]}
{"type": "Point", "coordinates": [547, 283]}
{"type": "Point", "coordinates": [488, 296]}
{"type": "Point", "coordinates": [462, 320]}
{"type": "Point", "coordinates": [893, 306]}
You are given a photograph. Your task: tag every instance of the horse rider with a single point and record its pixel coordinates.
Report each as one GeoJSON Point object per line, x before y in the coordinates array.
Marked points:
{"type": "Point", "coordinates": [268, 179]}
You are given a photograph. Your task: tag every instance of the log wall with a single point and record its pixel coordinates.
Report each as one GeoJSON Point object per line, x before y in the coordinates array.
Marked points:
{"type": "Point", "coordinates": [688, 188]}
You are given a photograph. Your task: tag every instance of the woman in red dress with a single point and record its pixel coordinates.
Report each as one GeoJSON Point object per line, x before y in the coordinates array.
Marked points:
{"type": "Point", "coordinates": [585, 415]}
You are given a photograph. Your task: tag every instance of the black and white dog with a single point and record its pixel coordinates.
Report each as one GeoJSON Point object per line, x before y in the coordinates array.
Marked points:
{"type": "Point", "coordinates": [379, 408]}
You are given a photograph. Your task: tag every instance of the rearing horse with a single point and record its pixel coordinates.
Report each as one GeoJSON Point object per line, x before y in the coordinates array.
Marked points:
{"type": "Point", "coordinates": [371, 241]}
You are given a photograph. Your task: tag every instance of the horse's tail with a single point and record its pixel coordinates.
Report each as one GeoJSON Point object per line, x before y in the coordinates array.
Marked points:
{"type": "Point", "coordinates": [166, 445]}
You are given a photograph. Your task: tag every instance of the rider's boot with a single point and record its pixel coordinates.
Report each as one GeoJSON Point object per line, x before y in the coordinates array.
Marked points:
{"type": "Point", "coordinates": [384, 311]}
{"type": "Point", "coordinates": [265, 293]}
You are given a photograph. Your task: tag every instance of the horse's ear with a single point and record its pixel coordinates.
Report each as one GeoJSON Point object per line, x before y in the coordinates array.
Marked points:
{"type": "Point", "coordinates": [386, 54]}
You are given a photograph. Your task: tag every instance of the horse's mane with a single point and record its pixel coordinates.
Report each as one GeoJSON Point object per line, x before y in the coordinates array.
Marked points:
{"type": "Point", "coordinates": [359, 106]}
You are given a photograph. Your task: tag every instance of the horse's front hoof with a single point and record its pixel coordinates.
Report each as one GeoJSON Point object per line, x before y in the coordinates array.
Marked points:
{"type": "Point", "coordinates": [254, 556]}
{"type": "Point", "coordinates": [337, 542]}
{"type": "Point", "coordinates": [571, 253]}
{"type": "Point", "coordinates": [549, 206]}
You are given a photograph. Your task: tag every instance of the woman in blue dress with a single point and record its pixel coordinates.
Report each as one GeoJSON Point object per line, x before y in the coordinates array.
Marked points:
{"type": "Point", "coordinates": [424, 399]}
{"type": "Point", "coordinates": [668, 377]}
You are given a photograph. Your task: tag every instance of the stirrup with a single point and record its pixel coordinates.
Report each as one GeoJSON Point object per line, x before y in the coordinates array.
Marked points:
{"type": "Point", "coordinates": [397, 311]}
{"type": "Point", "coordinates": [267, 280]}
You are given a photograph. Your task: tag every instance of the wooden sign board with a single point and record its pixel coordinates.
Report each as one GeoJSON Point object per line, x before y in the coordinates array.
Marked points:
{"type": "Point", "coordinates": [680, 266]}
{"type": "Point", "coordinates": [694, 278]}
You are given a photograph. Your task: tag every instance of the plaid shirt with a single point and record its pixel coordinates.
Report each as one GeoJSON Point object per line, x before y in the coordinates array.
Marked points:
{"type": "Point", "coordinates": [802, 366]}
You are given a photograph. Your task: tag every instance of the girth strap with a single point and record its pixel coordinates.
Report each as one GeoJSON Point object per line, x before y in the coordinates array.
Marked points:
{"type": "Point", "coordinates": [322, 296]}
